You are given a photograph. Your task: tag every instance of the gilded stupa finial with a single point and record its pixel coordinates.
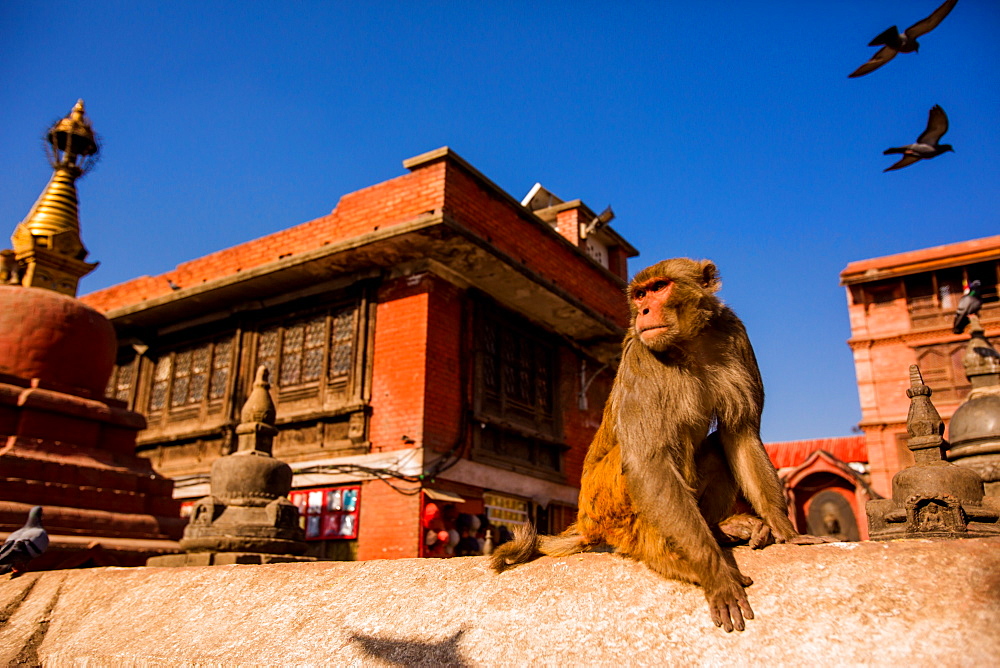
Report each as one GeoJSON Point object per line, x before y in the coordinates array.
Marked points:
{"type": "Point", "coordinates": [47, 249]}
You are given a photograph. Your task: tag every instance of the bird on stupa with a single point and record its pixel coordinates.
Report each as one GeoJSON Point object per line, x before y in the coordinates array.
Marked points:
{"type": "Point", "coordinates": [926, 146]}
{"type": "Point", "coordinates": [968, 305]}
{"type": "Point", "coordinates": [892, 41]}
{"type": "Point", "coordinates": [24, 544]}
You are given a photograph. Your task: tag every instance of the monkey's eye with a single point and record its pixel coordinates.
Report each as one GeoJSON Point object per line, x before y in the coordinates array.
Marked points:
{"type": "Point", "coordinates": [639, 294]}
{"type": "Point", "coordinates": [659, 285]}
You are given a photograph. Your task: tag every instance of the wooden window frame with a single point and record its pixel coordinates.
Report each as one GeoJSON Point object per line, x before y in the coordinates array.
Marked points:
{"type": "Point", "coordinates": [328, 387]}
{"type": "Point", "coordinates": [517, 434]}
{"type": "Point", "coordinates": [207, 404]}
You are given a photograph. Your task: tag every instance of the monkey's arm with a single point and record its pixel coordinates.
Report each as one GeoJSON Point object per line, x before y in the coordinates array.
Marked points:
{"type": "Point", "coordinates": [758, 480]}
{"type": "Point", "coordinates": [739, 430]}
{"type": "Point", "coordinates": [668, 505]}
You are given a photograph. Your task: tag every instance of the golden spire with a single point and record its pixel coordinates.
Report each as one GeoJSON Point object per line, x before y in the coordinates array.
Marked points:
{"type": "Point", "coordinates": [48, 251]}
{"type": "Point", "coordinates": [54, 217]}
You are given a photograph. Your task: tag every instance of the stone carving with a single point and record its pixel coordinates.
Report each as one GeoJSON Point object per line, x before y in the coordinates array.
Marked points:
{"type": "Point", "coordinates": [933, 498]}
{"type": "Point", "coordinates": [248, 511]}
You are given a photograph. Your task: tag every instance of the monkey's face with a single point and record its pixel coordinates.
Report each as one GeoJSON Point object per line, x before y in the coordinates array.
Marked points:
{"type": "Point", "coordinates": [655, 321]}
{"type": "Point", "coordinates": [672, 301]}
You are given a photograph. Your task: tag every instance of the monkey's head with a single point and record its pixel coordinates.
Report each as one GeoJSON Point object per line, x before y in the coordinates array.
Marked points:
{"type": "Point", "coordinates": [672, 301]}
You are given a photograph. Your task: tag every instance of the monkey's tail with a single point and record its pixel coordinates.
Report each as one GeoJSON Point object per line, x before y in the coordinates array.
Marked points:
{"type": "Point", "coordinates": [527, 546]}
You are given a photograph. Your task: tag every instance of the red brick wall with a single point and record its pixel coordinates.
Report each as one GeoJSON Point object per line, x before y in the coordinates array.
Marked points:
{"type": "Point", "coordinates": [579, 425]}
{"type": "Point", "coordinates": [389, 523]}
{"type": "Point", "coordinates": [399, 359]}
{"type": "Point", "coordinates": [568, 225]}
{"type": "Point", "coordinates": [446, 345]}
{"type": "Point", "coordinates": [479, 209]}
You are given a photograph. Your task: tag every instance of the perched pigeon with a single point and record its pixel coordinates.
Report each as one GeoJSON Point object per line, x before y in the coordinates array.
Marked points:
{"type": "Point", "coordinates": [983, 351]}
{"type": "Point", "coordinates": [895, 42]}
{"type": "Point", "coordinates": [926, 145]}
{"type": "Point", "coordinates": [969, 304]}
{"type": "Point", "coordinates": [24, 544]}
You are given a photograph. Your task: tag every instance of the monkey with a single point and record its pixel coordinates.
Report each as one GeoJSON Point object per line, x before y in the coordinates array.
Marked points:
{"type": "Point", "coordinates": [678, 442]}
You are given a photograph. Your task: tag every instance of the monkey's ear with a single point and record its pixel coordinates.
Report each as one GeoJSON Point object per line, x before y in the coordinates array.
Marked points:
{"type": "Point", "coordinates": [710, 276]}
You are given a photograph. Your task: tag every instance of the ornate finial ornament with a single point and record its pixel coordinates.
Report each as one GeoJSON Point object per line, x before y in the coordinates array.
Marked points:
{"type": "Point", "coordinates": [259, 407]}
{"type": "Point", "coordinates": [47, 249]}
{"type": "Point", "coordinates": [923, 424]}
{"type": "Point", "coordinates": [932, 498]}
{"type": "Point", "coordinates": [71, 142]}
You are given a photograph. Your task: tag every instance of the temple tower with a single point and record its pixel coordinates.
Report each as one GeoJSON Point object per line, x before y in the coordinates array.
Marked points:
{"type": "Point", "coordinates": [65, 445]}
{"type": "Point", "coordinates": [47, 250]}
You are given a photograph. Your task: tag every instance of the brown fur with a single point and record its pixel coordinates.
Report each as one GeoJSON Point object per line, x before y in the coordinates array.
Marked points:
{"type": "Point", "coordinates": [656, 484]}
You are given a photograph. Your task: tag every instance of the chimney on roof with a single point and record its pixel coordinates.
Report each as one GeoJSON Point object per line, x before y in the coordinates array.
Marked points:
{"type": "Point", "coordinates": [586, 230]}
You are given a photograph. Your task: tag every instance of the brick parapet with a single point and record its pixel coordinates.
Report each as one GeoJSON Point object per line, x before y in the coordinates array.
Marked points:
{"type": "Point", "coordinates": [376, 207]}
{"type": "Point", "coordinates": [533, 243]}
{"type": "Point", "coordinates": [443, 183]}
{"type": "Point", "coordinates": [924, 259]}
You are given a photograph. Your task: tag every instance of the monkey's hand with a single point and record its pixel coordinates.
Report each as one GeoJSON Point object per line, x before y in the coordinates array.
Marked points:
{"type": "Point", "coordinates": [744, 529]}
{"type": "Point", "coordinates": [728, 605]}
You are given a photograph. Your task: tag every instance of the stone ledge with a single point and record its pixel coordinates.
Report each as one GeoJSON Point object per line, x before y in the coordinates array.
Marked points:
{"type": "Point", "coordinates": [918, 602]}
{"type": "Point", "coordinates": [222, 559]}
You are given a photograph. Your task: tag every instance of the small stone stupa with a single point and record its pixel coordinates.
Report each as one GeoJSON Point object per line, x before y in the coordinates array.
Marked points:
{"type": "Point", "coordinates": [933, 498]}
{"type": "Point", "coordinates": [247, 518]}
{"type": "Point", "coordinates": [974, 430]}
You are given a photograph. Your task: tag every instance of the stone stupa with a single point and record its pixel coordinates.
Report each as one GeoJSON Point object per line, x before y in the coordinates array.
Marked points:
{"type": "Point", "coordinates": [247, 518]}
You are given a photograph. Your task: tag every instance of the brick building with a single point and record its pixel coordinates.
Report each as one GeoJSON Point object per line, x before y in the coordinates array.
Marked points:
{"type": "Point", "coordinates": [901, 311]}
{"type": "Point", "coordinates": [437, 348]}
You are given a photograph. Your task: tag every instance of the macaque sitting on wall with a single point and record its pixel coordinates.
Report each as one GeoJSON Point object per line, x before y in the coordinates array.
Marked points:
{"type": "Point", "coordinates": [657, 485]}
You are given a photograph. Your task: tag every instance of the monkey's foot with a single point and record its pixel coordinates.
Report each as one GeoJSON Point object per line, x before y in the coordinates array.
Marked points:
{"type": "Point", "coordinates": [729, 606]}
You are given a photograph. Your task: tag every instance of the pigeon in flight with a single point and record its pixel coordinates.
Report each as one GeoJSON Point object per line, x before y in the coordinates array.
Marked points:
{"type": "Point", "coordinates": [24, 544]}
{"type": "Point", "coordinates": [926, 145]}
{"type": "Point", "coordinates": [893, 42]}
{"type": "Point", "coordinates": [969, 304]}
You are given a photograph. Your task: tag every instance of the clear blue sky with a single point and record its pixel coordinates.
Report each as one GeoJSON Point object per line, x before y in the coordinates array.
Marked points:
{"type": "Point", "coordinates": [726, 130]}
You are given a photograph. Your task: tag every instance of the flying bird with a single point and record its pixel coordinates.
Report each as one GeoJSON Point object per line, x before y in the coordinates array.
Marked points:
{"type": "Point", "coordinates": [968, 305]}
{"type": "Point", "coordinates": [24, 544]}
{"type": "Point", "coordinates": [926, 145]}
{"type": "Point", "coordinates": [892, 41]}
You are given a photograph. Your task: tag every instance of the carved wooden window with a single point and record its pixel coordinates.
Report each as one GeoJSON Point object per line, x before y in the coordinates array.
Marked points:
{"type": "Point", "coordinates": [515, 400]}
{"type": "Point", "coordinates": [942, 369]}
{"type": "Point", "coordinates": [517, 374]}
{"type": "Point", "coordinates": [121, 381]}
{"type": "Point", "coordinates": [555, 518]}
{"type": "Point", "coordinates": [341, 346]}
{"type": "Point", "coordinates": [190, 376]}
{"type": "Point", "coordinates": [933, 296]}
{"type": "Point", "coordinates": [302, 352]}
{"type": "Point", "coordinates": [883, 293]}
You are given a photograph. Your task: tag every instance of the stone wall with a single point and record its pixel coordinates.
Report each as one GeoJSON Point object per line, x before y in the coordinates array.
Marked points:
{"type": "Point", "coordinates": [905, 602]}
